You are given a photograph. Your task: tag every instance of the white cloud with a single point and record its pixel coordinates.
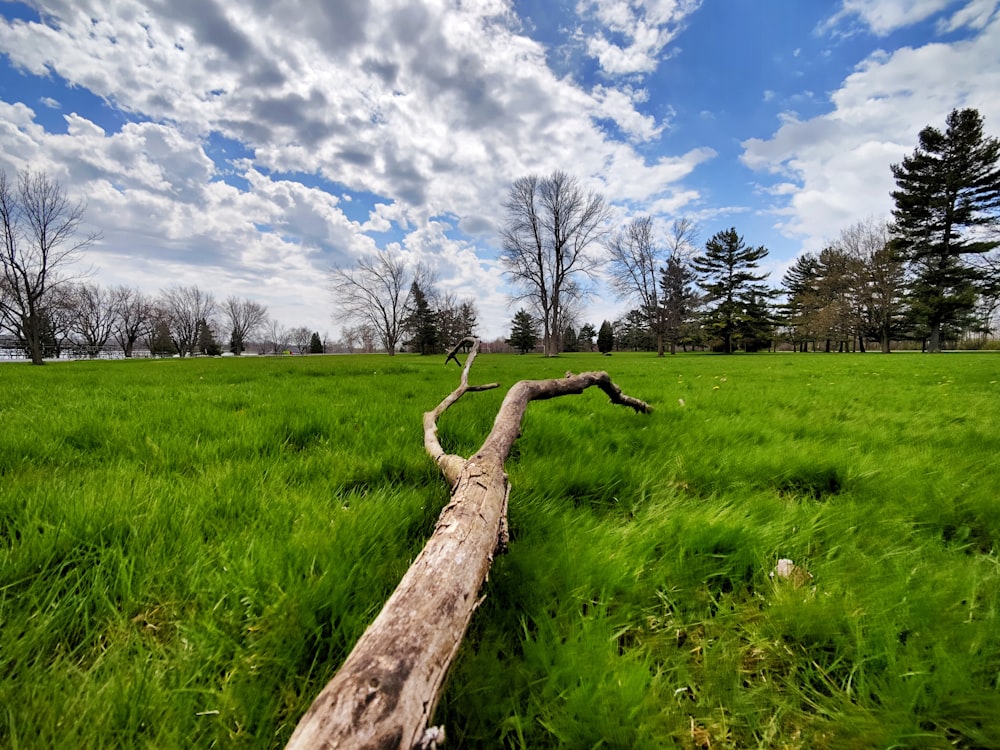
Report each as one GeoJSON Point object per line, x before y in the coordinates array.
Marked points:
{"type": "Point", "coordinates": [431, 107]}
{"type": "Point", "coordinates": [975, 15]}
{"type": "Point", "coordinates": [839, 162]}
{"type": "Point", "coordinates": [883, 17]}
{"type": "Point", "coordinates": [646, 26]}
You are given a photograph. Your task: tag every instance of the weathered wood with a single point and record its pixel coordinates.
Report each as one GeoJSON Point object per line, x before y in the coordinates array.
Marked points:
{"type": "Point", "coordinates": [386, 691]}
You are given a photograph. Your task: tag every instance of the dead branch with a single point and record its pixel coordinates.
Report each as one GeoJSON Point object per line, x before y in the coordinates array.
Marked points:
{"type": "Point", "coordinates": [386, 691]}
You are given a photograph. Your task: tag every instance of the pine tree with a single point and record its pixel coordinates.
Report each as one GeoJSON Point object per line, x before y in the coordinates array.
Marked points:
{"type": "Point", "coordinates": [569, 340]}
{"type": "Point", "coordinates": [523, 332]}
{"type": "Point", "coordinates": [605, 338]}
{"type": "Point", "coordinates": [160, 342]}
{"type": "Point", "coordinates": [421, 323]}
{"type": "Point", "coordinates": [206, 340]}
{"type": "Point", "coordinates": [801, 283]}
{"type": "Point", "coordinates": [677, 300]}
{"type": "Point", "coordinates": [726, 271]}
{"type": "Point", "coordinates": [315, 343]}
{"type": "Point", "coordinates": [947, 203]}
{"type": "Point", "coordinates": [586, 337]}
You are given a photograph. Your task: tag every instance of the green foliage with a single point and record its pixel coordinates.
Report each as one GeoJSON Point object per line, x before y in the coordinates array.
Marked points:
{"type": "Point", "coordinates": [421, 323]}
{"type": "Point", "coordinates": [569, 339]}
{"type": "Point", "coordinates": [726, 272]}
{"type": "Point", "coordinates": [189, 549]}
{"type": "Point", "coordinates": [678, 301]}
{"type": "Point", "coordinates": [523, 332]}
{"type": "Point", "coordinates": [605, 338]}
{"type": "Point", "coordinates": [160, 343]}
{"type": "Point", "coordinates": [946, 204]}
{"type": "Point", "coordinates": [207, 344]}
{"type": "Point", "coordinates": [315, 343]}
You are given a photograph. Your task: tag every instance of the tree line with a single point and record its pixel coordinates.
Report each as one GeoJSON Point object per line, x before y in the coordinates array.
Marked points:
{"type": "Point", "coordinates": [385, 302]}
{"type": "Point", "coordinates": [928, 274]}
{"type": "Point", "coordinates": [46, 310]}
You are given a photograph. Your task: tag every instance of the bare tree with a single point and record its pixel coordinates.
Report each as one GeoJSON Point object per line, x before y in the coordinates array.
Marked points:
{"type": "Point", "coordinates": [185, 307]}
{"type": "Point", "coordinates": [300, 337]}
{"type": "Point", "coordinates": [637, 266]}
{"type": "Point", "coordinates": [551, 224]}
{"type": "Point", "coordinates": [878, 275]}
{"type": "Point", "coordinates": [39, 239]}
{"type": "Point", "coordinates": [376, 293]}
{"type": "Point", "coordinates": [135, 317]}
{"type": "Point", "coordinates": [368, 336]}
{"type": "Point", "coordinates": [94, 315]}
{"type": "Point", "coordinates": [245, 317]}
{"type": "Point", "coordinates": [275, 337]}
{"type": "Point", "coordinates": [349, 335]}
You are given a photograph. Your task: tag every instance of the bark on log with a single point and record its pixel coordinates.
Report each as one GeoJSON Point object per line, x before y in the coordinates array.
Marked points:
{"type": "Point", "coordinates": [385, 693]}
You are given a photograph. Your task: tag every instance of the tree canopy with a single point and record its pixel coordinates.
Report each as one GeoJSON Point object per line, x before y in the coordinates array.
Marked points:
{"type": "Point", "coordinates": [946, 204]}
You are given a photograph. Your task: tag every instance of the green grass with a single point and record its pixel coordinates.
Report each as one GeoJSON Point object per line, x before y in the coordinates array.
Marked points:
{"type": "Point", "coordinates": [188, 549]}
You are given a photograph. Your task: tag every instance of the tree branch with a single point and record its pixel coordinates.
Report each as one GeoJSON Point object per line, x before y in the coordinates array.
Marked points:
{"type": "Point", "coordinates": [387, 690]}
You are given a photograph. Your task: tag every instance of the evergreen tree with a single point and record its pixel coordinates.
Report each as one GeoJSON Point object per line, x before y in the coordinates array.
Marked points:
{"type": "Point", "coordinates": [947, 203]}
{"type": "Point", "coordinates": [605, 338]}
{"type": "Point", "coordinates": [677, 300]}
{"type": "Point", "coordinates": [206, 340]}
{"type": "Point", "coordinates": [569, 340]}
{"type": "Point", "coordinates": [585, 338]}
{"type": "Point", "coordinates": [726, 273]}
{"type": "Point", "coordinates": [634, 333]}
{"type": "Point", "coordinates": [315, 343]}
{"type": "Point", "coordinates": [758, 323]}
{"type": "Point", "coordinates": [523, 332]}
{"type": "Point", "coordinates": [421, 323]}
{"type": "Point", "coordinates": [801, 285]}
{"type": "Point", "coordinates": [160, 342]}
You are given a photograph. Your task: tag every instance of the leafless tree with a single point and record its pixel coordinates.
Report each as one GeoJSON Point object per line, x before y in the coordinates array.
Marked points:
{"type": "Point", "coordinates": [300, 338]}
{"type": "Point", "coordinates": [184, 308]}
{"type": "Point", "coordinates": [368, 336]}
{"type": "Point", "coordinates": [550, 226]}
{"type": "Point", "coordinates": [638, 262]}
{"type": "Point", "coordinates": [275, 337]}
{"type": "Point", "coordinates": [245, 317]}
{"type": "Point", "coordinates": [349, 336]}
{"type": "Point", "coordinates": [40, 238]}
{"type": "Point", "coordinates": [94, 315]}
{"type": "Point", "coordinates": [635, 261]}
{"type": "Point", "coordinates": [135, 317]}
{"type": "Point", "coordinates": [878, 277]}
{"type": "Point", "coordinates": [376, 293]}
{"type": "Point", "coordinates": [57, 314]}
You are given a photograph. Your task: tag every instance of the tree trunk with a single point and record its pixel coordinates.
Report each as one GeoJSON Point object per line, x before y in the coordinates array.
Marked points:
{"type": "Point", "coordinates": [386, 691]}
{"type": "Point", "coordinates": [935, 340]}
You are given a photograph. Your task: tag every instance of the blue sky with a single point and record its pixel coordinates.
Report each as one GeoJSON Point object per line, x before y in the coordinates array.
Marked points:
{"type": "Point", "coordinates": [248, 147]}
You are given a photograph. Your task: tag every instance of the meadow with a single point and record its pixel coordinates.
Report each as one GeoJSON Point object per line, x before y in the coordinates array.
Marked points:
{"type": "Point", "coordinates": [188, 549]}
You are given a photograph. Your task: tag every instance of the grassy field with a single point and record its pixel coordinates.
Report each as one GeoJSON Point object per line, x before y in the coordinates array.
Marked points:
{"type": "Point", "coordinates": [188, 549]}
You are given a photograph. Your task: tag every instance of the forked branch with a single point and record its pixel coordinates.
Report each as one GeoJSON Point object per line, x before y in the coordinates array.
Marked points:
{"type": "Point", "coordinates": [385, 693]}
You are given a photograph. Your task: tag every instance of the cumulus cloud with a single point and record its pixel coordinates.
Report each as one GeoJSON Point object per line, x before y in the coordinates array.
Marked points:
{"type": "Point", "coordinates": [432, 108]}
{"type": "Point", "coordinates": [834, 169]}
{"type": "Point", "coordinates": [631, 35]}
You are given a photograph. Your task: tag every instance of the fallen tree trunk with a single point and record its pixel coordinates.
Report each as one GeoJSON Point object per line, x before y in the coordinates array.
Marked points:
{"type": "Point", "coordinates": [386, 691]}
